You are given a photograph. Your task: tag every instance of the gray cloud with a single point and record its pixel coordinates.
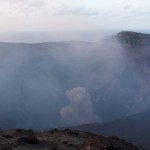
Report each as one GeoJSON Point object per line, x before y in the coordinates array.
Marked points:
{"type": "Point", "coordinates": [145, 13]}
{"type": "Point", "coordinates": [24, 6]}
{"type": "Point", "coordinates": [29, 3]}
{"type": "Point", "coordinates": [127, 7]}
{"type": "Point", "coordinates": [77, 11]}
{"type": "Point", "coordinates": [79, 109]}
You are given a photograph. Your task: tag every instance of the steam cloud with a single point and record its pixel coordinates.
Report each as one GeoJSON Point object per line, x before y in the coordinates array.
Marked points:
{"type": "Point", "coordinates": [80, 108]}
{"type": "Point", "coordinates": [110, 82]}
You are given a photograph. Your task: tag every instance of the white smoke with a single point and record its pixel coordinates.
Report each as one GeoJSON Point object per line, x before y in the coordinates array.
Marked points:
{"type": "Point", "coordinates": [79, 110]}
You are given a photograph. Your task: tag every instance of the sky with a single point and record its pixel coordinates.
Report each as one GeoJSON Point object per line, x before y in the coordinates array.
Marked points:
{"type": "Point", "coordinates": [72, 15]}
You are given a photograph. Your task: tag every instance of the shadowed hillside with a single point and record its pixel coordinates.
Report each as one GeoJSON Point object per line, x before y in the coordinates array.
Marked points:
{"type": "Point", "coordinates": [135, 128]}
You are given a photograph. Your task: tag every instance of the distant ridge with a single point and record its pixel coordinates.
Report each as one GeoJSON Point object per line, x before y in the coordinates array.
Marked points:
{"type": "Point", "coordinates": [134, 39]}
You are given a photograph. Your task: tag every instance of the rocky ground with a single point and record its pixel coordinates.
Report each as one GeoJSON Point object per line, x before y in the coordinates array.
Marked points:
{"type": "Point", "coordinates": [66, 139]}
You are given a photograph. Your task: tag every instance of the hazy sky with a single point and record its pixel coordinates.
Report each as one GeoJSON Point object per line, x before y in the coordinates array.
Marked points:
{"type": "Point", "coordinates": [50, 15]}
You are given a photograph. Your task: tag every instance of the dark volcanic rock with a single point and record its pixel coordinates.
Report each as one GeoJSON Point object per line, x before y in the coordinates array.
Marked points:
{"type": "Point", "coordinates": [31, 139]}
{"type": "Point", "coordinates": [23, 131]}
{"type": "Point", "coordinates": [7, 136]}
{"type": "Point", "coordinates": [61, 140]}
{"type": "Point", "coordinates": [53, 131]}
{"type": "Point", "coordinates": [5, 147]}
{"type": "Point", "coordinates": [26, 136]}
{"type": "Point", "coordinates": [68, 131]}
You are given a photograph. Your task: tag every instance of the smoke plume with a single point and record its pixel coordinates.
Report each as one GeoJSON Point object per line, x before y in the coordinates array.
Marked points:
{"type": "Point", "coordinates": [79, 109]}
